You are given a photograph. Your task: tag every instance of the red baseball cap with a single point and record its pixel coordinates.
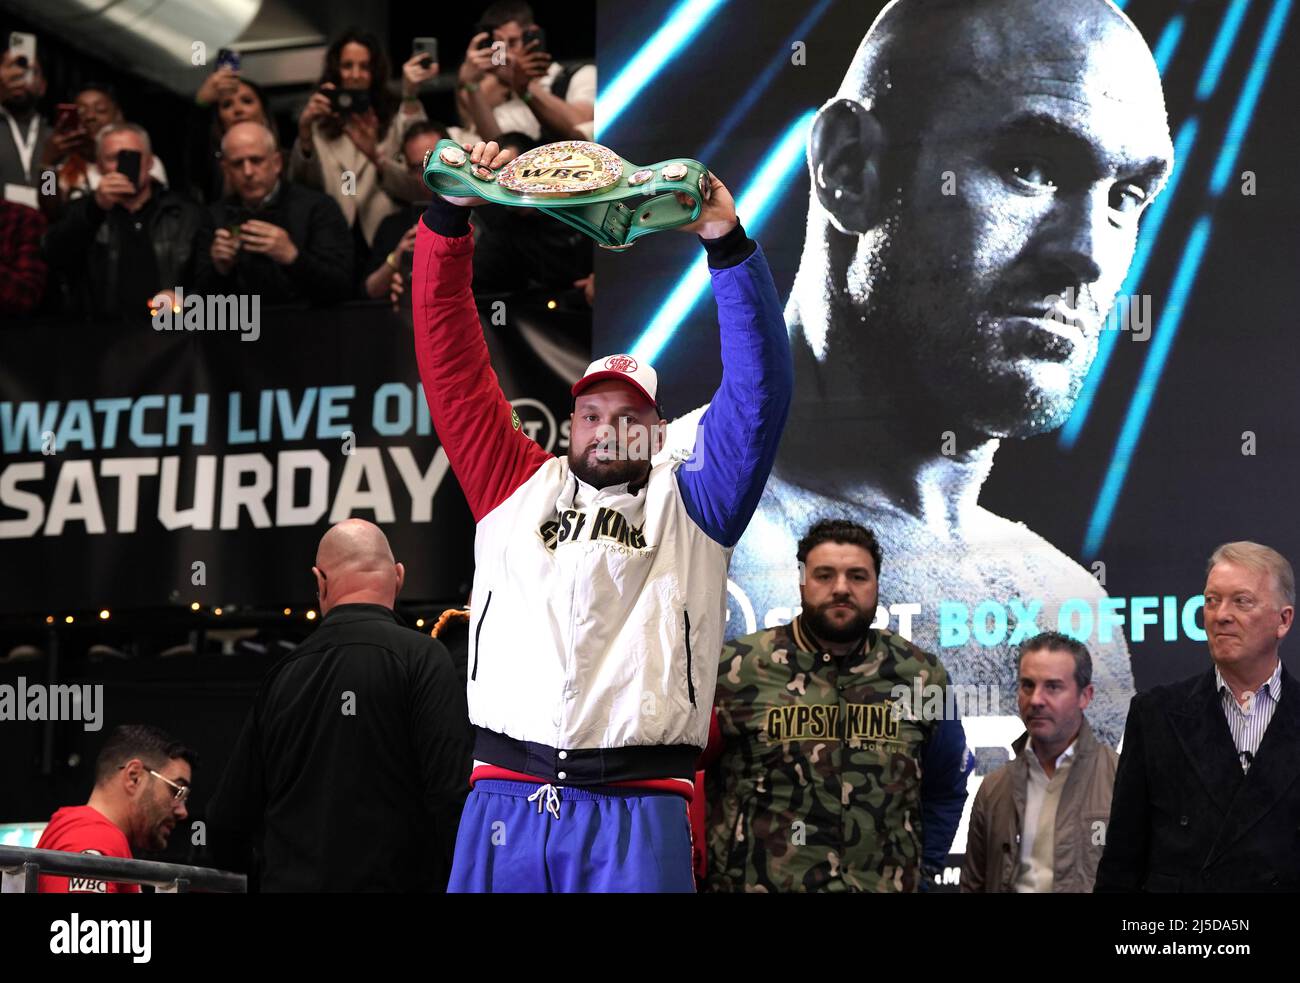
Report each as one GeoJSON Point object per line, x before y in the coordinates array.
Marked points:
{"type": "Point", "coordinates": [624, 368]}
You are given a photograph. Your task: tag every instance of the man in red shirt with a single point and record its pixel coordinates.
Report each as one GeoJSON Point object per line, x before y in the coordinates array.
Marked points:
{"type": "Point", "coordinates": [142, 779]}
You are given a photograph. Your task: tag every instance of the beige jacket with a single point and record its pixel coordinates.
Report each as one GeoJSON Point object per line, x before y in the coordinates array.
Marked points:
{"type": "Point", "coordinates": [1082, 817]}
{"type": "Point", "coordinates": [377, 193]}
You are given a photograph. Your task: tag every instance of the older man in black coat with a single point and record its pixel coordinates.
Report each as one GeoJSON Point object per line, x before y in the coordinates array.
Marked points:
{"type": "Point", "coordinates": [285, 243]}
{"type": "Point", "coordinates": [1207, 797]}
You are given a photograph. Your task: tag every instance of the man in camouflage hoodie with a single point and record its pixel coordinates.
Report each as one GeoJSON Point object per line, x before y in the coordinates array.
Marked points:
{"type": "Point", "coordinates": [829, 778]}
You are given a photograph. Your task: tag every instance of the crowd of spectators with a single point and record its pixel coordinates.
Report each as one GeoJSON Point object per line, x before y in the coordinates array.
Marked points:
{"type": "Point", "coordinates": [91, 225]}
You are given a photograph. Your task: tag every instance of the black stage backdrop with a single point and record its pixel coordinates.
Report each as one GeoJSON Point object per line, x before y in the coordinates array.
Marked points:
{"type": "Point", "coordinates": [1185, 433]}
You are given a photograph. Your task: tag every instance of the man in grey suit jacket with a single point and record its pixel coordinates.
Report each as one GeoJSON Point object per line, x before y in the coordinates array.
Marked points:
{"type": "Point", "coordinates": [1207, 797]}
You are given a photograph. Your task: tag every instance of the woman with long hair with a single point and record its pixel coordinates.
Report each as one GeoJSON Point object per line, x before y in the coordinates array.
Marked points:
{"type": "Point", "coordinates": [350, 132]}
{"type": "Point", "coordinates": [232, 99]}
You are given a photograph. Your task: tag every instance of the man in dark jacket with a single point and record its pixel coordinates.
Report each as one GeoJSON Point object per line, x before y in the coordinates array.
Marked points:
{"type": "Point", "coordinates": [283, 242]}
{"type": "Point", "coordinates": [129, 241]}
{"type": "Point", "coordinates": [1207, 796]}
{"type": "Point", "coordinates": [354, 763]}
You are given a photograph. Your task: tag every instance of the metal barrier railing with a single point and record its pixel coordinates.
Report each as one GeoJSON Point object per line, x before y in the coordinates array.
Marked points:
{"type": "Point", "coordinates": [21, 866]}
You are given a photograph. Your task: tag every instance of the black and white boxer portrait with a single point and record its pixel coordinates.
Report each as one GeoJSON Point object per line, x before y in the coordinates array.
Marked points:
{"type": "Point", "coordinates": [976, 188]}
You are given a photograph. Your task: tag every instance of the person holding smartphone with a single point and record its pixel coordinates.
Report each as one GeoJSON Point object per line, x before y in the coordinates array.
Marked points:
{"type": "Point", "coordinates": [509, 81]}
{"type": "Point", "coordinates": [129, 241]}
{"type": "Point", "coordinates": [353, 126]}
{"type": "Point", "coordinates": [71, 148]}
{"type": "Point", "coordinates": [282, 242]}
{"type": "Point", "coordinates": [388, 270]}
{"type": "Point", "coordinates": [23, 131]}
{"type": "Point", "coordinates": [229, 98]}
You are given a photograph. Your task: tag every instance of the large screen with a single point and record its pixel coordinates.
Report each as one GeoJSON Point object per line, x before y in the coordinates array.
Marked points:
{"type": "Point", "coordinates": [1018, 479]}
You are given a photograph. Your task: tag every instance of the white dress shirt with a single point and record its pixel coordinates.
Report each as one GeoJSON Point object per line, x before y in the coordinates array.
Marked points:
{"type": "Point", "coordinates": [1038, 837]}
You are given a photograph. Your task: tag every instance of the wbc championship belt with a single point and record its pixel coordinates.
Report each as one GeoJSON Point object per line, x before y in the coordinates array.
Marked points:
{"type": "Point", "coordinates": [584, 184]}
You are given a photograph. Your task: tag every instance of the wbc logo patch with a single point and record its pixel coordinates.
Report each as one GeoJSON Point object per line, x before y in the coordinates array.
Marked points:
{"type": "Point", "coordinates": [565, 168]}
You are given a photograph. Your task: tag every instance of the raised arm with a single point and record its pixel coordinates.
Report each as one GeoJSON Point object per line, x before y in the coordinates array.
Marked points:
{"type": "Point", "coordinates": [479, 430]}
{"type": "Point", "coordinates": [738, 435]}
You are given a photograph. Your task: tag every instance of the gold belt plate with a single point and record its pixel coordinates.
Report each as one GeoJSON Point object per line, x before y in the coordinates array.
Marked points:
{"type": "Point", "coordinates": [558, 170]}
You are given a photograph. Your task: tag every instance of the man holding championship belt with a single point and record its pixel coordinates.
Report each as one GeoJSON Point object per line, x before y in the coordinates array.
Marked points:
{"type": "Point", "coordinates": [600, 582]}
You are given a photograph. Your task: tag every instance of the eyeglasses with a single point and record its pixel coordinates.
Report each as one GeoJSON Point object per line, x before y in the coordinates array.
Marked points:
{"type": "Point", "coordinates": [180, 792]}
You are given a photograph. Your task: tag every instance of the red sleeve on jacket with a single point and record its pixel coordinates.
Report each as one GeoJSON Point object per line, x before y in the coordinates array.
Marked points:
{"type": "Point", "coordinates": [490, 455]}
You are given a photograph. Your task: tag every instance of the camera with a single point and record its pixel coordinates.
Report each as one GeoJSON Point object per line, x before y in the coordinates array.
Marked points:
{"type": "Point", "coordinates": [349, 101]}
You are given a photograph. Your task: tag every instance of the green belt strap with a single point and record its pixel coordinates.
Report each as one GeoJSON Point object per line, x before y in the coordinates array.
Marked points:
{"type": "Point", "coordinates": [584, 184]}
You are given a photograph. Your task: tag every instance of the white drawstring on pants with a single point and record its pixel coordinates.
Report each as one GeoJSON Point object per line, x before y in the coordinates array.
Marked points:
{"type": "Point", "coordinates": [547, 796]}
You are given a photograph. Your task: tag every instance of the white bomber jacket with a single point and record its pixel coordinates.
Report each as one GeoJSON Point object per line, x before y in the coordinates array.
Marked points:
{"type": "Point", "coordinates": [598, 614]}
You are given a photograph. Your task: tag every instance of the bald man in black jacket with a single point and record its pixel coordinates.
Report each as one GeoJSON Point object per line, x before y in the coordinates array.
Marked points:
{"type": "Point", "coordinates": [353, 766]}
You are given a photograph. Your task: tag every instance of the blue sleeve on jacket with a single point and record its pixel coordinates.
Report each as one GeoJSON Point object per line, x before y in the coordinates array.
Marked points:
{"type": "Point", "coordinates": [737, 438]}
{"type": "Point", "coordinates": [944, 767]}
